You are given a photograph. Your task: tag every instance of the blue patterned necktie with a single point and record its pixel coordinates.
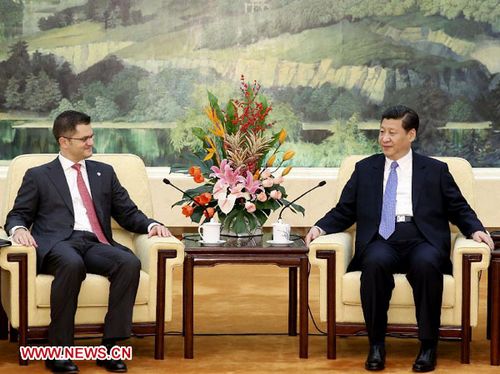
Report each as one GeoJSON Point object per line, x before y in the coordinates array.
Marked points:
{"type": "Point", "coordinates": [388, 219]}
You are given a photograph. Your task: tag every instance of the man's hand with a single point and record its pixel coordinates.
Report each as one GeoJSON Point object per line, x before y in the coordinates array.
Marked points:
{"type": "Point", "coordinates": [482, 237]}
{"type": "Point", "coordinates": [312, 234]}
{"type": "Point", "coordinates": [160, 231]}
{"type": "Point", "coordinates": [23, 236]}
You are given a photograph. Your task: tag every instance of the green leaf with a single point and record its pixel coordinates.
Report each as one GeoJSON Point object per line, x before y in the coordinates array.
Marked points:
{"type": "Point", "coordinates": [214, 102]}
{"type": "Point", "coordinates": [231, 115]}
{"type": "Point", "coordinates": [199, 133]}
{"type": "Point", "coordinates": [261, 216]}
{"type": "Point", "coordinates": [197, 214]}
{"type": "Point", "coordinates": [263, 101]}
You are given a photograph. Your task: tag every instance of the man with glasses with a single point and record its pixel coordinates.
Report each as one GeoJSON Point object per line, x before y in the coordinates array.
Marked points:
{"type": "Point", "coordinates": [68, 204]}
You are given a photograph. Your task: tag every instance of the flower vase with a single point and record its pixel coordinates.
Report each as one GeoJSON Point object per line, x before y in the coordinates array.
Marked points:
{"type": "Point", "coordinates": [255, 232]}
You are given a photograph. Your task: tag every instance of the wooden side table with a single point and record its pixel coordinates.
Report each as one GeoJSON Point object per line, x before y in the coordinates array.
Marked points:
{"type": "Point", "coordinates": [249, 251]}
{"type": "Point", "coordinates": [493, 313]}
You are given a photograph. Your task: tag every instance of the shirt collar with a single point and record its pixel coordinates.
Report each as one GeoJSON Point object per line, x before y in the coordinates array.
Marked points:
{"type": "Point", "coordinates": [404, 162]}
{"type": "Point", "coordinates": [67, 164]}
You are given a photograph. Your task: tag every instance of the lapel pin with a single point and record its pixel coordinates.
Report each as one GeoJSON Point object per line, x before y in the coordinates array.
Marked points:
{"type": "Point", "coordinates": [98, 173]}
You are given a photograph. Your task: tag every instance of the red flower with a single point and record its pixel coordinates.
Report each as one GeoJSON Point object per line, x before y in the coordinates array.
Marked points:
{"type": "Point", "coordinates": [194, 170]}
{"type": "Point", "coordinates": [187, 210]}
{"type": "Point", "coordinates": [209, 212]}
{"type": "Point", "coordinates": [198, 178]}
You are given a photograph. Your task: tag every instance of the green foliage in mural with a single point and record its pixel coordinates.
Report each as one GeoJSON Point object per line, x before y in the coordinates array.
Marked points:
{"type": "Point", "coordinates": [347, 140]}
{"type": "Point", "coordinates": [11, 19]}
{"type": "Point", "coordinates": [327, 65]}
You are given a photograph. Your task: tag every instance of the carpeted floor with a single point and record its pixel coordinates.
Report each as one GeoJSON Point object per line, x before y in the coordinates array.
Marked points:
{"type": "Point", "coordinates": [245, 308]}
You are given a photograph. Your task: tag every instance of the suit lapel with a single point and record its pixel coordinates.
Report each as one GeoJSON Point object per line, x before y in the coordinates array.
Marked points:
{"type": "Point", "coordinates": [94, 175]}
{"type": "Point", "coordinates": [418, 178]}
{"type": "Point", "coordinates": [56, 175]}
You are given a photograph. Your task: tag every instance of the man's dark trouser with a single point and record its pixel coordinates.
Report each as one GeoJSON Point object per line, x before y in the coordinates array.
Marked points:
{"type": "Point", "coordinates": [69, 261]}
{"type": "Point", "coordinates": [405, 251]}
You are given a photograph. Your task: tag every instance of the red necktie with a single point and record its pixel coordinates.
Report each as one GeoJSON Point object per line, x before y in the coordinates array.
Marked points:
{"type": "Point", "coordinates": [89, 205]}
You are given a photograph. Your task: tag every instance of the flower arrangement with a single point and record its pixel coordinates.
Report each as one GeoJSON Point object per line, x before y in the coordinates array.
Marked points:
{"type": "Point", "coordinates": [241, 174]}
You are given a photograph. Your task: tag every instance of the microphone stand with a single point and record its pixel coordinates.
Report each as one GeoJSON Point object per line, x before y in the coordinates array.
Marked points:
{"type": "Point", "coordinates": [166, 181]}
{"type": "Point", "coordinates": [320, 184]}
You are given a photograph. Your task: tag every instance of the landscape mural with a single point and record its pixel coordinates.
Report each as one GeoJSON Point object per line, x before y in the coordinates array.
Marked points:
{"type": "Point", "coordinates": [142, 68]}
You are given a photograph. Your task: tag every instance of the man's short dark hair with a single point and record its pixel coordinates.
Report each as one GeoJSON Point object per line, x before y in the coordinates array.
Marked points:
{"type": "Point", "coordinates": [65, 123]}
{"type": "Point", "coordinates": [408, 115]}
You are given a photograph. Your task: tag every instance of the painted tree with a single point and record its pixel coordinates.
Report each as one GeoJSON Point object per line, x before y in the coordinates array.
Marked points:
{"type": "Point", "coordinates": [13, 95]}
{"type": "Point", "coordinates": [42, 94]}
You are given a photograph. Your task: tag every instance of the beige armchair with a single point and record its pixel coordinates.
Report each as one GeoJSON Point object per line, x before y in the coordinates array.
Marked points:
{"type": "Point", "coordinates": [340, 303]}
{"type": "Point", "coordinates": [25, 295]}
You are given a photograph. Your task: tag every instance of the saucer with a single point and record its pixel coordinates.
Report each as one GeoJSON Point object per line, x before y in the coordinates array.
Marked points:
{"type": "Point", "coordinates": [211, 243]}
{"type": "Point", "coordinates": [272, 242]}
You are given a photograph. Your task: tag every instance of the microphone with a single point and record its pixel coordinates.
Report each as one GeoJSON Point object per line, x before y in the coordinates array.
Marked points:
{"type": "Point", "coordinates": [320, 184]}
{"type": "Point", "coordinates": [166, 181]}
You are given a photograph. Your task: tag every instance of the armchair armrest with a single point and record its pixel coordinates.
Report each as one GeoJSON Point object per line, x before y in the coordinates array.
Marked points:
{"type": "Point", "coordinates": [147, 250]}
{"type": "Point", "coordinates": [468, 246]}
{"type": "Point", "coordinates": [480, 261]}
{"type": "Point", "coordinates": [11, 259]}
{"type": "Point", "coordinates": [341, 244]}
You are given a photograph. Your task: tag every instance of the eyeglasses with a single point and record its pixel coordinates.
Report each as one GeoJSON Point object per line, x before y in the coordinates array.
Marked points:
{"type": "Point", "coordinates": [83, 139]}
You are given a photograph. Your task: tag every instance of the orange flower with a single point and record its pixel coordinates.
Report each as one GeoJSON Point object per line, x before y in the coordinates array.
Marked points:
{"type": "Point", "coordinates": [288, 155]}
{"type": "Point", "coordinates": [187, 210]}
{"type": "Point", "coordinates": [286, 171]}
{"type": "Point", "coordinates": [209, 212]}
{"type": "Point", "coordinates": [271, 160]}
{"type": "Point", "coordinates": [194, 170]}
{"type": "Point", "coordinates": [198, 178]}
{"type": "Point", "coordinates": [206, 197]}
{"type": "Point", "coordinates": [282, 136]}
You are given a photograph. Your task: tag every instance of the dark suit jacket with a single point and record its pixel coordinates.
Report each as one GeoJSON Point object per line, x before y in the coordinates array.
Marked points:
{"type": "Point", "coordinates": [44, 204]}
{"type": "Point", "coordinates": [436, 201]}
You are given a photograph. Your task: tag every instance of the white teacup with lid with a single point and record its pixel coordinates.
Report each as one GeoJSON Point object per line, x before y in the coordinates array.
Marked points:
{"type": "Point", "coordinates": [210, 232]}
{"type": "Point", "coordinates": [281, 232]}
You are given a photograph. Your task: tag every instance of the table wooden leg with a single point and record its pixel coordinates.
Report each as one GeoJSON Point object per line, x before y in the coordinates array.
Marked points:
{"type": "Point", "coordinates": [188, 306]}
{"type": "Point", "coordinates": [292, 301]}
{"type": "Point", "coordinates": [304, 298]}
{"type": "Point", "coordinates": [495, 309]}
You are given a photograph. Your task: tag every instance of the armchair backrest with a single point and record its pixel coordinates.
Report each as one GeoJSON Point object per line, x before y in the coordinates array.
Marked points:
{"type": "Point", "coordinates": [460, 169]}
{"type": "Point", "coordinates": [129, 168]}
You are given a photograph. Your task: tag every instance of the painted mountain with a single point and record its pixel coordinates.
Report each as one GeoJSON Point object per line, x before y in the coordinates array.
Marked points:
{"type": "Point", "coordinates": [142, 68]}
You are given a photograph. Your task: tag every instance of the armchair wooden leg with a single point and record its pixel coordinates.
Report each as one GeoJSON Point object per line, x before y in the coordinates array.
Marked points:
{"type": "Point", "coordinates": [466, 328]}
{"type": "Point", "coordinates": [331, 302]}
{"type": "Point", "coordinates": [22, 260]}
{"type": "Point", "coordinates": [160, 303]}
{"type": "Point", "coordinates": [4, 324]}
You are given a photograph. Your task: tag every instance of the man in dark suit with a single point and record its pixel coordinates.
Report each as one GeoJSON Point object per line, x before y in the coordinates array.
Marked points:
{"type": "Point", "coordinates": [401, 202]}
{"type": "Point", "coordinates": [64, 209]}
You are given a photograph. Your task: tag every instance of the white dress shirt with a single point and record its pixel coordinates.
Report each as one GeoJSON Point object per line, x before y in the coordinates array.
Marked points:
{"type": "Point", "coordinates": [404, 171]}
{"type": "Point", "coordinates": [82, 222]}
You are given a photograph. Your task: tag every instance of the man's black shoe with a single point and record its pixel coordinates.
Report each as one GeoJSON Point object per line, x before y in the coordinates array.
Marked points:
{"type": "Point", "coordinates": [61, 366]}
{"type": "Point", "coordinates": [426, 360]}
{"type": "Point", "coordinates": [114, 366]}
{"type": "Point", "coordinates": [376, 358]}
